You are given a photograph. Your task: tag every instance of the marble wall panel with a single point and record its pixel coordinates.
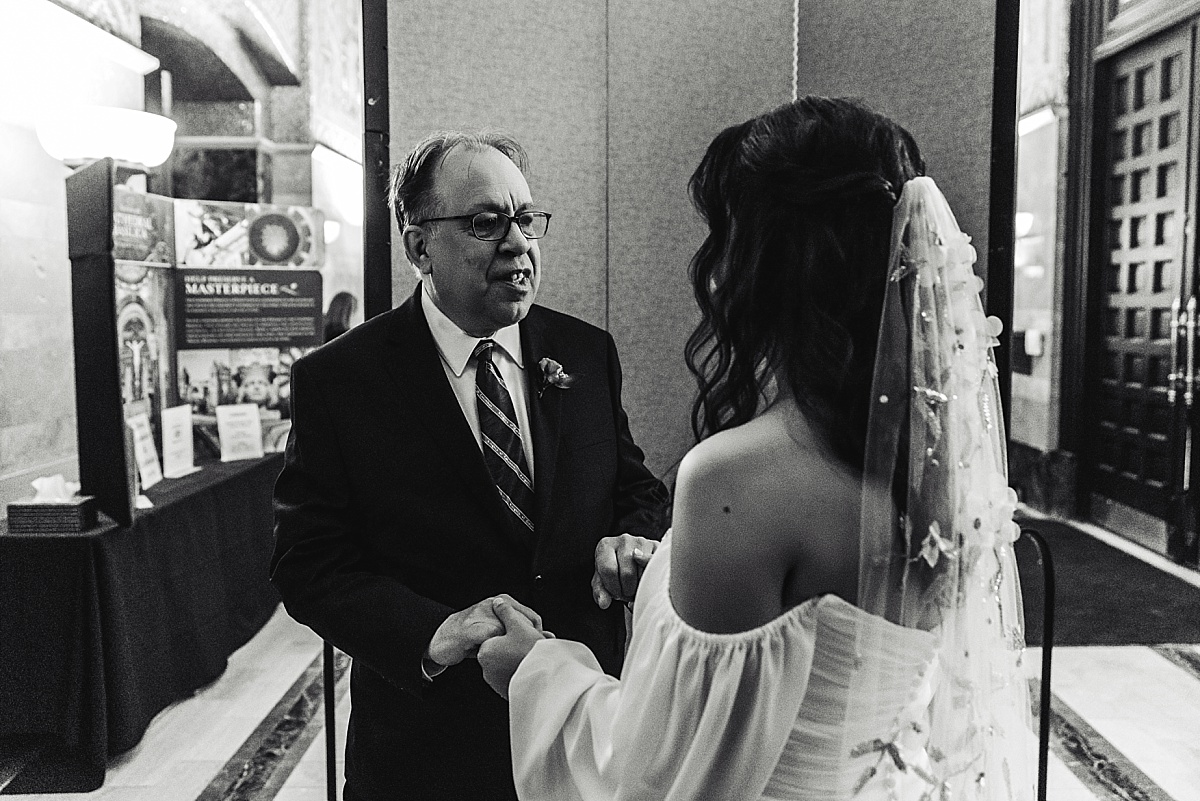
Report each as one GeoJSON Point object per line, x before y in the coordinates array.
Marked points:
{"type": "Point", "coordinates": [37, 392]}
{"type": "Point", "coordinates": [291, 177]}
{"type": "Point", "coordinates": [335, 74]}
{"type": "Point", "coordinates": [38, 371]}
{"type": "Point", "coordinates": [224, 118]}
{"type": "Point", "coordinates": [44, 447]}
{"type": "Point", "coordinates": [287, 114]}
{"type": "Point", "coordinates": [1044, 45]}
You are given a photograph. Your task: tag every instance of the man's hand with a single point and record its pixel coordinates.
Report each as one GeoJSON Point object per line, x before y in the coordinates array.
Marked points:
{"type": "Point", "coordinates": [461, 634]}
{"type": "Point", "coordinates": [501, 656]}
{"type": "Point", "coordinates": [619, 565]}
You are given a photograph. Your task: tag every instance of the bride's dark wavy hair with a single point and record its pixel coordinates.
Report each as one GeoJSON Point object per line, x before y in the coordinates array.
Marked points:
{"type": "Point", "coordinates": [790, 280]}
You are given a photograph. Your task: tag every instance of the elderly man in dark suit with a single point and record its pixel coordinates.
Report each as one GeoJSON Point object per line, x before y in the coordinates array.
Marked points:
{"type": "Point", "coordinates": [466, 446]}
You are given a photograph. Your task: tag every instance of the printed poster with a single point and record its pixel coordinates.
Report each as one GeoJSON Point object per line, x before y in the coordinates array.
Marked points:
{"type": "Point", "coordinates": [245, 308]}
{"type": "Point", "coordinates": [231, 235]}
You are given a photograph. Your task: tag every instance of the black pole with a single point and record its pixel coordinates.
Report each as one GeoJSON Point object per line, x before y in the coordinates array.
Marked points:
{"type": "Point", "coordinates": [1001, 223]}
{"type": "Point", "coordinates": [329, 680]}
{"type": "Point", "coordinates": [1043, 551]}
{"type": "Point", "coordinates": [377, 222]}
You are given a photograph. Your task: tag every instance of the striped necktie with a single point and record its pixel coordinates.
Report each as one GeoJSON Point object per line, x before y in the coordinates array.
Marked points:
{"type": "Point", "coordinates": [501, 439]}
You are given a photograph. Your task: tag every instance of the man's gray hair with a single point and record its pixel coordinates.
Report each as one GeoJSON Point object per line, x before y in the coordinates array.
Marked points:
{"type": "Point", "coordinates": [411, 188]}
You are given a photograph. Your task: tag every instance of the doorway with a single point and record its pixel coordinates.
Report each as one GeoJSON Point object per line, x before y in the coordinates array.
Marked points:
{"type": "Point", "coordinates": [1141, 376]}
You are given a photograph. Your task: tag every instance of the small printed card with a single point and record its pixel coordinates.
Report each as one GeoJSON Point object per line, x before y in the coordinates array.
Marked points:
{"type": "Point", "coordinates": [178, 456]}
{"type": "Point", "coordinates": [240, 431]}
{"type": "Point", "coordinates": [144, 452]}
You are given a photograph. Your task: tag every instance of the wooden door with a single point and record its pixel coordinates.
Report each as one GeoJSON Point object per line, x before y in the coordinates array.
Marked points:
{"type": "Point", "coordinates": [1139, 388]}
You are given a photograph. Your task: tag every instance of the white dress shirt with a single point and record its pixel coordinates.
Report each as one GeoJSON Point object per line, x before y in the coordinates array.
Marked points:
{"type": "Point", "coordinates": [455, 347]}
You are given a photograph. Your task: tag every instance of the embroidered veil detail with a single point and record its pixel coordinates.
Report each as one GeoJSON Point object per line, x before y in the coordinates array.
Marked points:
{"type": "Point", "coordinates": [937, 528]}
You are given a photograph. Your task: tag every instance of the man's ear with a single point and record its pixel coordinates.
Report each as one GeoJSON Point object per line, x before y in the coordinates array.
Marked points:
{"type": "Point", "coordinates": [416, 248]}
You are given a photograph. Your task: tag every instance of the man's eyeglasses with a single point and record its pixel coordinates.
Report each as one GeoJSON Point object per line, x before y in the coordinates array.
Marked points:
{"type": "Point", "coordinates": [492, 226]}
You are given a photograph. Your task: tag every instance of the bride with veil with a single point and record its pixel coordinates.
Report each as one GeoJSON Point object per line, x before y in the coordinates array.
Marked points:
{"type": "Point", "coordinates": [836, 612]}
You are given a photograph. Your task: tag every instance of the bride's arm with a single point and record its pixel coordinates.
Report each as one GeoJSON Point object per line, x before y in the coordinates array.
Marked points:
{"type": "Point", "coordinates": [688, 705]}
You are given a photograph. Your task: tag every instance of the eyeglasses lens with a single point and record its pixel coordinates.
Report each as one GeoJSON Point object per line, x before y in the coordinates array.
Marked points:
{"type": "Point", "coordinates": [491, 226]}
{"type": "Point", "coordinates": [533, 224]}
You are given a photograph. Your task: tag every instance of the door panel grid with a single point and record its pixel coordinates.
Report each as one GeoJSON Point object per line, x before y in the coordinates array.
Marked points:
{"type": "Point", "coordinates": [1133, 423]}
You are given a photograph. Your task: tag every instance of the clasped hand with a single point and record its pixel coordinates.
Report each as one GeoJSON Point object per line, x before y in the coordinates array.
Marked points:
{"type": "Point", "coordinates": [501, 656]}
{"type": "Point", "coordinates": [620, 562]}
{"type": "Point", "coordinates": [461, 634]}
{"type": "Point", "coordinates": [501, 631]}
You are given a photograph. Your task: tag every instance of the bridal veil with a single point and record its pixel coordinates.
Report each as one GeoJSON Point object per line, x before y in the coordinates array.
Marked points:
{"type": "Point", "coordinates": [937, 528]}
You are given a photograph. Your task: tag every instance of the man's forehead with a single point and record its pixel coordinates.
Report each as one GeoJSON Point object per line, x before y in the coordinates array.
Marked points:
{"type": "Point", "coordinates": [468, 167]}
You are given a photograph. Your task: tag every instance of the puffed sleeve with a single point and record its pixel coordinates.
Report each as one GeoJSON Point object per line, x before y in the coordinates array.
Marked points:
{"type": "Point", "coordinates": [694, 715]}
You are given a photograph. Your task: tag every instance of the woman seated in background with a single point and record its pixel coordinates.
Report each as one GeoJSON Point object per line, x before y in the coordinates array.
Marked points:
{"type": "Point", "coordinates": [342, 307]}
{"type": "Point", "coordinates": [836, 612]}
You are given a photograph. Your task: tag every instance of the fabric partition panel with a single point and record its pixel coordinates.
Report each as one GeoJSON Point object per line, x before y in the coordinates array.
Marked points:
{"type": "Point", "coordinates": [679, 73]}
{"type": "Point", "coordinates": [615, 103]}
{"type": "Point", "coordinates": [534, 70]}
{"type": "Point", "coordinates": [929, 66]}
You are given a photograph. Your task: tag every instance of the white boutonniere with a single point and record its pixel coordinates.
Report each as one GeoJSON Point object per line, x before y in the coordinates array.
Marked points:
{"type": "Point", "coordinates": [553, 375]}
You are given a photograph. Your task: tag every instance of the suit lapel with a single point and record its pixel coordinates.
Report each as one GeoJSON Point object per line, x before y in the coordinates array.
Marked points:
{"type": "Point", "coordinates": [544, 414]}
{"type": "Point", "coordinates": [416, 371]}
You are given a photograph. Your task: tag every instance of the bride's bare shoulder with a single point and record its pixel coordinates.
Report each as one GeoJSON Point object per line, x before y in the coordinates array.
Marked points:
{"type": "Point", "coordinates": [753, 505]}
{"type": "Point", "coordinates": [764, 471]}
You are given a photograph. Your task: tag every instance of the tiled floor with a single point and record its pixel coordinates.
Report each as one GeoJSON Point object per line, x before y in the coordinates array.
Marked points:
{"type": "Point", "coordinates": [1125, 727]}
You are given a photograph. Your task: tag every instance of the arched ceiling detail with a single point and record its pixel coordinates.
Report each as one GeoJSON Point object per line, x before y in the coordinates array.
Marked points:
{"type": "Point", "coordinates": [118, 17]}
{"type": "Point", "coordinates": [198, 73]}
{"type": "Point", "coordinates": [258, 42]}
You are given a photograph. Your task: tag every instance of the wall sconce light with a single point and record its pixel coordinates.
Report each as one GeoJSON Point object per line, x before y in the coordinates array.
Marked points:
{"type": "Point", "coordinates": [1035, 272]}
{"type": "Point", "coordinates": [1035, 342]}
{"type": "Point", "coordinates": [1024, 224]}
{"type": "Point", "coordinates": [333, 230]}
{"type": "Point", "coordinates": [79, 134]}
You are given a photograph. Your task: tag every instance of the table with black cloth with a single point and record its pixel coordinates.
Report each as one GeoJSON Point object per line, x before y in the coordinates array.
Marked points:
{"type": "Point", "coordinates": [101, 630]}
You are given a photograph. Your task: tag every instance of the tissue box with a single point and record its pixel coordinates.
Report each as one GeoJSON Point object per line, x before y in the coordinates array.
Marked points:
{"type": "Point", "coordinates": [77, 514]}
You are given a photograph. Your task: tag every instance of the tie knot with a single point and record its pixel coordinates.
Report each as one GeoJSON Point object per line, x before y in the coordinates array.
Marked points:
{"type": "Point", "coordinates": [483, 350]}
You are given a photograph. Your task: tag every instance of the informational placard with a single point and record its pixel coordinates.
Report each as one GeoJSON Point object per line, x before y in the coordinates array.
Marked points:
{"type": "Point", "coordinates": [144, 452]}
{"type": "Point", "coordinates": [240, 430]}
{"type": "Point", "coordinates": [235, 308]}
{"type": "Point", "coordinates": [179, 458]}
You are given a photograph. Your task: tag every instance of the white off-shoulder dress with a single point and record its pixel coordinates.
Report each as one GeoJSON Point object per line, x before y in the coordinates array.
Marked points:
{"type": "Point", "coordinates": [825, 702]}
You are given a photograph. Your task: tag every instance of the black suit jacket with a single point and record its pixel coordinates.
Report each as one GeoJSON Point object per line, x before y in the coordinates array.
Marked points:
{"type": "Point", "coordinates": [387, 521]}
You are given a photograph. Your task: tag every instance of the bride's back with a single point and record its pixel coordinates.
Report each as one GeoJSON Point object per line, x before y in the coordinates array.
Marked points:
{"type": "Point", "coordinates": [765, 518]}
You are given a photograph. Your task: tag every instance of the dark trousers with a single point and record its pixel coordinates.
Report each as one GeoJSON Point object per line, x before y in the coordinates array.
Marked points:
{"type": "Point", "coordinates": [401, 748]}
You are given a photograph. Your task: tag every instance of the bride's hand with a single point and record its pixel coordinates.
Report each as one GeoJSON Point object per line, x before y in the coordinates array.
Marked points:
{"type": "Point", "coordinates": [500, 656]}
